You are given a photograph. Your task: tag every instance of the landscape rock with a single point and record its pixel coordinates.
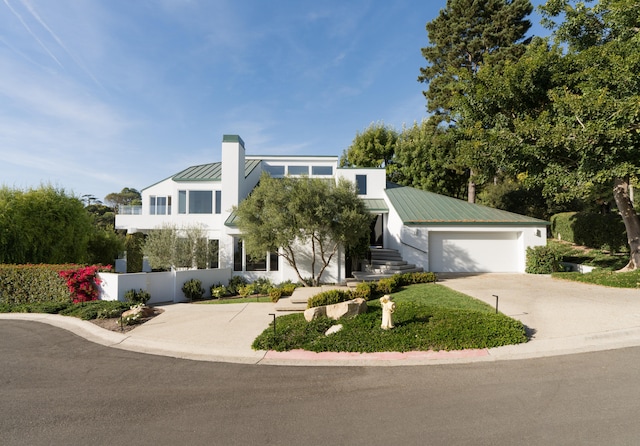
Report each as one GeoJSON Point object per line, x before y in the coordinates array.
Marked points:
{"type": "Point", "coordinates": [333, 329]}
{"type": "Point", "coordinates": [143, 311]}
{"type": "Point", "coordinates": [349, 308]}
{"type": "Point", "coordinates": [337, 311]}
{"type": "Point", "coordinates": [314, 313]}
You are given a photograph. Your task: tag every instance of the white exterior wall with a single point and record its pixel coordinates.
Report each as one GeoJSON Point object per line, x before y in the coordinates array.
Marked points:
{"type": "Point", "coordinates": [162, 286]}
{"type": "Point", "coordinates": [376, 180]}
{"type": "Point", "coordinates": [414, 241]}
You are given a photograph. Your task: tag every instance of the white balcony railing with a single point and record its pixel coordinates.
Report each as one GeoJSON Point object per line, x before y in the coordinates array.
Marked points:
{"type": "Point", "coordinates": [130, 210]}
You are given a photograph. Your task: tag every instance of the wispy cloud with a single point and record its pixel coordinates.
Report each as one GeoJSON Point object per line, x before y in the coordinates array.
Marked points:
{"type": "Point", "coordinates": [30, 31]}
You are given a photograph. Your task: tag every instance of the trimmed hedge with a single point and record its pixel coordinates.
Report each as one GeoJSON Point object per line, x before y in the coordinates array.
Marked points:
{"type": "Point", "coordinates": [329, 298]}
{"type": "Point", "coordinates": [25, 284]}
{"type": "Point", "coordinates": [543, 260]}
{"type": "Point", "coordinates": [590, 230]}
{"type": "Point", "coordinates": [371, 290]}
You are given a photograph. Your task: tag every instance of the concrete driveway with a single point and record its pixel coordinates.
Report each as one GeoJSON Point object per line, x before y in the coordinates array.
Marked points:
{"type": "Point", "coordinates": [564, 314]}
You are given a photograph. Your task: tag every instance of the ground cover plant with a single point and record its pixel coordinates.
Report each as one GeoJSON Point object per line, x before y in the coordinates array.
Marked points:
{"type": "Point", "coordinates": [603, 277]}
{"type": "Point", "coordinates": [605, 262]}
{"type": "Point", "coordinates": [87, 310]}
{"type": "Point", "coordinates": [427, 317]}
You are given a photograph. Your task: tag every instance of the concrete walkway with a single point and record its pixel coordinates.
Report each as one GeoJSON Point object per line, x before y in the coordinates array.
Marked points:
{"type": "Point", "coordinates": [564, 317]}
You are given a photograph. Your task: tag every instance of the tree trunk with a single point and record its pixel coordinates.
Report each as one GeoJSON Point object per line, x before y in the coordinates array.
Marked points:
{"type": "Point", "coordinates": [471, 194]}
{"type": "Point", "coordinates": [630, 219]}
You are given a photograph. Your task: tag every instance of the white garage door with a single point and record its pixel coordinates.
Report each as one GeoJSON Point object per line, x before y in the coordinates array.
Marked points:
{"type": "Point", "coordinates": [495, 252]}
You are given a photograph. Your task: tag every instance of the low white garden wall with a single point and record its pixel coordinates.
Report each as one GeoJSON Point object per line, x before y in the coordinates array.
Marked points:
{"type": "Point", "coordinates": [162, 286]}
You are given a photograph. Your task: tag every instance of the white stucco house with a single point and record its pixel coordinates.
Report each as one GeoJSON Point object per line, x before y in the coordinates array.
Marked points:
{"type": "Point", "coordinates": [411, 229]}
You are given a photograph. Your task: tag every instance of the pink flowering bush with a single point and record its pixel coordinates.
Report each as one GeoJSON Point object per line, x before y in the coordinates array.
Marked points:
{"type": "Point", "coordinates": [83, 282]}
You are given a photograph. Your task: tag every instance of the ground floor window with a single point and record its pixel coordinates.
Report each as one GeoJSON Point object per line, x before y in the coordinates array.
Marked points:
{"type": "Point", "coordinates": [242, 262]}
{"type": "Point", "coordinates": [214, 254]}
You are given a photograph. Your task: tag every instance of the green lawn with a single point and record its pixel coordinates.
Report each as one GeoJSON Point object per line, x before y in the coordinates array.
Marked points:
{"type": "Point", "coordinates": [427, 317]}
{"type": "Point", "coordinates": [606, 265]}
{"type": "Point", "coordinates": [604, 277]}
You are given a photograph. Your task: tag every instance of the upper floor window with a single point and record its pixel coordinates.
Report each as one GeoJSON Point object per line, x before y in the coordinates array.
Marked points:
{"type": "Point", "coordinates": [159, 205]}
{"type": "Point", "coordinates": [322, 170]}
{"type": "Point", "coordinates": [361, 184]}
{"type": "Point", "coordinates": [200, 202]}
{"type": "Point", "coordinates": [218, 202]}
{"type": "Point", "coordinates": [274, 171]}
{"type": "Point", "coordinates": [298, 170]}
{"type": "Point", "coordinates": [195, 202]}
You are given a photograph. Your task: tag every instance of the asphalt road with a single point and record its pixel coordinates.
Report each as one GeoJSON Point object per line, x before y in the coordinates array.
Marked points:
{"type": "Point", "coordinates": [59, 389]}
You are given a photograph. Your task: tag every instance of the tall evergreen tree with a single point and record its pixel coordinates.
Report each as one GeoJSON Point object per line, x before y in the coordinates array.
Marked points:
{"type": "Point", "coordinates": [463, 34]}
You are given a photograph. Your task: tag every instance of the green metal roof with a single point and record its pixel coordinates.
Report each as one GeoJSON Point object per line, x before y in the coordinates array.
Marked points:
{"type": "Point", "coordinates": [375, 205]}
{"type": "Point", "coordinates": [232, 221]}
{"type": "Point", "coordinates": [210, 172]}
{"type": "Point", "coordinates": [418, 207]}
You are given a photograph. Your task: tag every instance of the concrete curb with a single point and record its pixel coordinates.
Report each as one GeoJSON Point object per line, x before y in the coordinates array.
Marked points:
{"type": "Point", "coordinates": [533, 349]}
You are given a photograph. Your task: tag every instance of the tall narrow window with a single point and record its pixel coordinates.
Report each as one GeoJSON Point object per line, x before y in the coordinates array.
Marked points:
{"type": "Point", "coordinates": [214, 253]}
{"type": "Point", "coordinates": [237, 254]}
{"type": "Point", "coordinates": [161, 205]}
{"type": "Point", "coordinates": [218, 202]}
{"type": "Point", "coordinates": [182, 202]}
{"type": "Point", "coordinates": [273, 261]}
{"type": "Point", "coordinates": [152, 205]}
{"type": "Point", "coordinates": [361, 184]}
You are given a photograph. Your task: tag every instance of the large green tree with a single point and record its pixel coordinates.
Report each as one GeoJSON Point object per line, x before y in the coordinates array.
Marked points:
{"type": "Point", "coordinates": [305, 220]}
{"type": "Point", "coordinates": [126, 197]}
{"type": "Point", "coordinates": [567, 117]}
{"type": "Point", "coordinates": [461, 37]}
{"type": "Point", "coordinates": [43, 225]}
{"type": "Point", "coordinates": [374, 147]}
{"type": "Point", "coordinates": [169, 246]}
{"type": "Point", "coordinates": [425, 158]}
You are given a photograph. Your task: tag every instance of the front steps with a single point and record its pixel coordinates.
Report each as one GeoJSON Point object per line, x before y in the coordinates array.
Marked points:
{"type": "Point", "coordinates": [384, 263]}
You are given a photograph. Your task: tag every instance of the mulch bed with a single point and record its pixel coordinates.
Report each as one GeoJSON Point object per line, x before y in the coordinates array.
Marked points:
{"type": "Point", "coordinates": [113, 323]}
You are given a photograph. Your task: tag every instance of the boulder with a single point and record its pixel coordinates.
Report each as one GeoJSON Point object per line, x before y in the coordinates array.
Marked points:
{"type": "Point", "coordinates": [144, 312]}
{"type": "Point", "coordinates": [349, 308]}
{"type": "Point", "coordinates": [314, 313]}
{"type": "Point", "coordinates": [337, 311]}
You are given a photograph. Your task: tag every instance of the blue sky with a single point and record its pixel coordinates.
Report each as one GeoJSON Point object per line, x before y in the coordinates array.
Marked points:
{"type": "Point", "coordinates": [98, 95]}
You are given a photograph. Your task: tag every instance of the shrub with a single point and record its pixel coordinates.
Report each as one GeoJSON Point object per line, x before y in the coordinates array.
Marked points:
{"type": "Point", "coordinates": [415, 277]}
{"type": "Point", "coordinates": [543, 260]}
{"type": "Point", "coordinates": [329, 298]}
{"type": "Point", "coordinates": [235, 283]}
{"type": "Point", "coordinates": [275, 294]}
{"type": "Point", "coordinates": [287, 288]}
{"type": "Point", "coordinates": [262, 285]}
{"type": "Point", "coordinates": [246, 290]}
{"type": "Point", "coordinates": [137, 297]}
{"type": "Point", "coordinates": [590, 229]}
{"type": "Point", "coordinates": [192, 289]}
{"type": "Point", "coordinates": [388, 285]}
{"type": "Point", "coordinates": [22, 284]}
{"type": "Point", "coordinates": [83, 283]}
{"type": "Point", "coordinates": [91, 310]}
{"type": "Point", "coordinates": [218, 291]}
{"type": "Point", "coordinates": [365, 290]}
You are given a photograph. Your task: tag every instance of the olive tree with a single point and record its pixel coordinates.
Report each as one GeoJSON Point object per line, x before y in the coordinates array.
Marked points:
{"type": "Point", "coordinates": [293, 215]}
{"type": "Point", "coordinates": [170, 247]}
